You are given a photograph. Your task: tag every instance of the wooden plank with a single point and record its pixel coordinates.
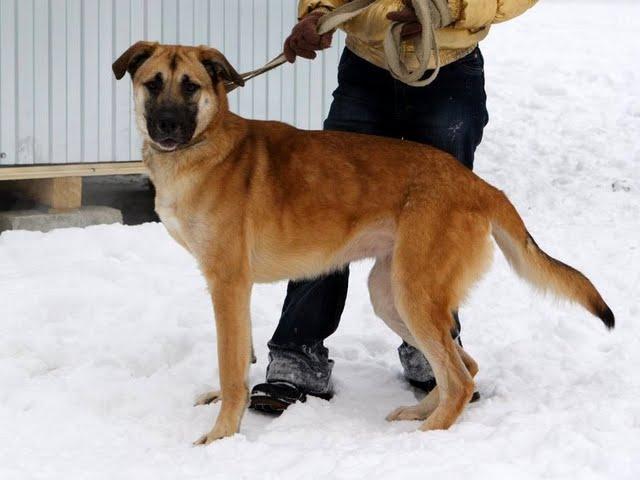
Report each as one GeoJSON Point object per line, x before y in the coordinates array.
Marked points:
{"type": "Point", "coordinates": [72, 170]}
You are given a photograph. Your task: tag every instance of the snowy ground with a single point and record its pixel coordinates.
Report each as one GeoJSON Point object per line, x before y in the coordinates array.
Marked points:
{"type": "Point", "coordinates": [106, 333]}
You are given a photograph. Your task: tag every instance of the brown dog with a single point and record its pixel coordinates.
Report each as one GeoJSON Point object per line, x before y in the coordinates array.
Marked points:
{"type": "Point", "coordinates": [257, 201]}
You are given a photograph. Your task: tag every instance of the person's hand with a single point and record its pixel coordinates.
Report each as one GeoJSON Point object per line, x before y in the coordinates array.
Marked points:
{"type": "Point", "coordinates": [304, 40]}
{"type": "Point", "coordinates": [408, 17]}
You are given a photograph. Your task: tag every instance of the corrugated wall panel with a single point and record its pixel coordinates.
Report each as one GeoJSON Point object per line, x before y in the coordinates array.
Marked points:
{"type": "Point", "coordinates": [8, 93]}
{"type": "Point", "coordinates": [25, 82]}
{"type": "Point", "coordinates": [106, 85]}
{"type": "Point", "coordinates": [58, 82]}
{"type": "Point", "coordinates": [275, 36]}
{"type": "Point", "coordinates": [41, 86]}
{"type": "Point", "coordinates": [91, 80]}
{"type": "Point", "coordinates": [137, 26]}
{"type": "Point", "coordinates": [288, 84]}
{"type": "Point", "coordinates": [122, 115]}
{"type": "Point", "coordinates": [59, 102]}
{"type": "Point", "coordinates": [75, 121]}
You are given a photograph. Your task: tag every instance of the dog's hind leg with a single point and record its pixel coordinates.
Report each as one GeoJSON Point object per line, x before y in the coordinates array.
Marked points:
{"type": "Point", "coordinates": [429, 403]}
{"type": "Point", "coordinates": [380, 291]}
{"type": "Point", "coordinates": [431, 271]}
{"type": "Point", "coordinates": [430, 323]}
{"type": "Point", "coordinates": [382, 300]}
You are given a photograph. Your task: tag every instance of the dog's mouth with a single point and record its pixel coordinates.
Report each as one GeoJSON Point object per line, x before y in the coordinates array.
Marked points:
{"type": "Point", "coordinates": [167, 144]}
{"type": "Point", "coordinates": [170, 127]}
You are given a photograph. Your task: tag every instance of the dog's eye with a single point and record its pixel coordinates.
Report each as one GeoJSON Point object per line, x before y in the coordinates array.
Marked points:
{"type": "Point", "coordinates": [154, 86]}
{"type": "Point", "coordinates": [189, 88]}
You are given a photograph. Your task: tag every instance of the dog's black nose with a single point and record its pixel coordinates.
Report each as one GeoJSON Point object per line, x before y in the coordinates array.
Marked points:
{"type": "Point", "coordinates": [167, 123]}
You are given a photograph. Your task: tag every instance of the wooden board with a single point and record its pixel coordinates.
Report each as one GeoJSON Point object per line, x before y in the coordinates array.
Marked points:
{"type": "Point", "coordinates": [71, 170]}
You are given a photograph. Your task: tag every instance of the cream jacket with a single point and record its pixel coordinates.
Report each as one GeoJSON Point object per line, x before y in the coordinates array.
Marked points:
{"type": "Point", "coordinates": [472, 20]}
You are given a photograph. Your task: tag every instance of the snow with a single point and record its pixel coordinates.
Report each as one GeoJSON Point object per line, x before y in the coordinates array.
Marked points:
{"type": "Point", "coordinates": [107, 335]}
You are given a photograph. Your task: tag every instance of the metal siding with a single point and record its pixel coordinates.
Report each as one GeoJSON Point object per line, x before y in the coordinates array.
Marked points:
{"type": "Point", "coordinates": [75, 98]}
{"type": "Point", "coordinates": [137, 25]}
{"type": "Point", "coordinates": [59, 102]}
{"type": "Point", "coordinates": [273, 79]}
{"type": "Point", "coordinates": [91, 74]}
{"type": "Point", "coordinates": [106, 85]}
{"type": "Point", "coordinates": [123, 107]}
{"type": "Point", "coordinates": [58, 82]}
{"type": "Point", "coordinates": [41, 86]}
{"type": "Point", "coordinates": [25, 80]}
{"type": "Point", "coordinates": [8, 74]}
{"type": "Point", "coordinates": [288, 85]}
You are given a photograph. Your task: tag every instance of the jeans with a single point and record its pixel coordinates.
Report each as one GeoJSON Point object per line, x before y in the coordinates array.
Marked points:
{"type": "Point", "coordinates": [449, 114]}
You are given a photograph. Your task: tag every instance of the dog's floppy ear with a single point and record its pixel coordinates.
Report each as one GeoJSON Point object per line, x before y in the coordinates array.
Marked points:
{"type": "Point", "coordinates": [219, 68]}
{"type": "Point", "coordinates": [131, 60]}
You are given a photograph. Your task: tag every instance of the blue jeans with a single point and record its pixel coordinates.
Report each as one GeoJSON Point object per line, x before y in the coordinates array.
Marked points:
{"type": "Point", "coordinates": [449, 114]}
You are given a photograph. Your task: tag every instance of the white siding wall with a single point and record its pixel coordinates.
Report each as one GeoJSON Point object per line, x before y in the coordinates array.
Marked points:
{"type": "Point", "coordinates": [59, 102]}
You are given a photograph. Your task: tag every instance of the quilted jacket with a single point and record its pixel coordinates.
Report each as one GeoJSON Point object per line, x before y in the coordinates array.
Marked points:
{"type": "Point", "coordinates": [472, 21]}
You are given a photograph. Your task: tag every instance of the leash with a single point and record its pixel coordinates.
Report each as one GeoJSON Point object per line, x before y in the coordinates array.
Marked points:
{"type": "Point", "coordinates": [392, 43]}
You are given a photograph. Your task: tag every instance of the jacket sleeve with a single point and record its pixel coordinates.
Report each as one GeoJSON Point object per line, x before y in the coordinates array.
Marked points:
{"type": "Point", "coordinates": [475, 14]}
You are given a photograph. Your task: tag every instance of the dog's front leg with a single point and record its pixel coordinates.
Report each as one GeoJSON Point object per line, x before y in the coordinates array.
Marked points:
{"type": "Point", "coordinates": [231, 299]}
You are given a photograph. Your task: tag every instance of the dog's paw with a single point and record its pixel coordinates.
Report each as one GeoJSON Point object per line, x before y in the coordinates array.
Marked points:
{"type": "Point", "coordinates": [413, 412]}
{"type": "Point", "coordinates": [208, 397]}
{"type": "Point", "coordinates": [213, 435]}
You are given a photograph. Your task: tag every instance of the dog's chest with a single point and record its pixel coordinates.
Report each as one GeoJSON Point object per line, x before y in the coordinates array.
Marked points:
{"type": "Point", "coordinates": [168, 215]}
{"type": "Point", "coordinates": [167, 209]}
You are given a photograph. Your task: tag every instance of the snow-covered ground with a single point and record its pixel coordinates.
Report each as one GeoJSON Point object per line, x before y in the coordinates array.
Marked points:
{"type": "Point", "coordinates": [107, 336]}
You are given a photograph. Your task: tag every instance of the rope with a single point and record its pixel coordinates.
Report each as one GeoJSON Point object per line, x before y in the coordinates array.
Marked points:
{"type": "Point", "coordinates": [392, 42]}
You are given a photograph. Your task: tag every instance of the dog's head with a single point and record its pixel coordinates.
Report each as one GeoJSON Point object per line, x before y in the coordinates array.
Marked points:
{"type": "Point", "coordinates": [178, 91]}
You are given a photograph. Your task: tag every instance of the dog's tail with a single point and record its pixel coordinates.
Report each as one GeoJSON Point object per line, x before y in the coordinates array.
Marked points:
{"type": "Point", "coordinates": [538, 268]}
